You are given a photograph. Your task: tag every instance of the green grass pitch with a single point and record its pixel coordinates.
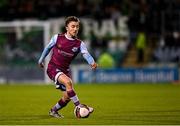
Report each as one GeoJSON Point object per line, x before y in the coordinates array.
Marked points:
{"type": "Point", "coordinates": [115, 104]}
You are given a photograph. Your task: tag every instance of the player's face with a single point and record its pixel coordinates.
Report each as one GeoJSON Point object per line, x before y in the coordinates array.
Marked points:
{"type": "Point", "coordinates": [72, 29]}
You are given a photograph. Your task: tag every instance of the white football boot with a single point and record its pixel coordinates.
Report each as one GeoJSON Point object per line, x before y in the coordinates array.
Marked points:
{"type": "Point", "coordinates": [90, 109]}
{"type": "Point", "coordinates": [55, 114]}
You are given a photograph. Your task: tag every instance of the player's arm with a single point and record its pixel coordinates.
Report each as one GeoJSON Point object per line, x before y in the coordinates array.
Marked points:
{"type": "Point", "coordinates": [46, 50]}
{"type": "Point", "coordinates": [87, 56]}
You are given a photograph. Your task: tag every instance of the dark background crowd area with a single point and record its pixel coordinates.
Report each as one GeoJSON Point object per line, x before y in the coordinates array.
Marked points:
{"type": "Point", "coordinates": [146, 13]}
{"type": "Point", "coordinates": [158, 19]}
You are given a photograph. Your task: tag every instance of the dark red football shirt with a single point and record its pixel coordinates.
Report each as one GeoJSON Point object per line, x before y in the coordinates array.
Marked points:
{"type": "Point", "coordinates": [64, 51]}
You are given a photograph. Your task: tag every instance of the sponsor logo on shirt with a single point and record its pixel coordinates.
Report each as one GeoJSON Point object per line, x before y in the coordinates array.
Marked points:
{"type": "Point", "coordinates": [66, 54]}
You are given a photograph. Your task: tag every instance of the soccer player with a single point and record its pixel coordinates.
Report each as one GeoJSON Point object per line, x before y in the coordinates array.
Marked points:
{"type": "Point", "coordinates": [65, 48]}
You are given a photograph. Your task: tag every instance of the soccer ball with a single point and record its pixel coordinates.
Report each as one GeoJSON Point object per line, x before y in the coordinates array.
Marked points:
{"type": "Point", "coordinates": [81, 111]}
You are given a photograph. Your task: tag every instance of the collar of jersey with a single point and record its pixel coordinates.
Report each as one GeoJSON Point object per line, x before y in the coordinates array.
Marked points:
{"type": "Point", "coordinates": [68, 37]}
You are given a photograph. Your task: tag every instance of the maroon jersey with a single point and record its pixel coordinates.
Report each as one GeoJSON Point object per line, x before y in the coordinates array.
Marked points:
{"type": "Point", "coordinates": [64, 52]}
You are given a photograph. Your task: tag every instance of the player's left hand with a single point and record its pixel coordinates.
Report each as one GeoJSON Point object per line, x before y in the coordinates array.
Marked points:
{"type": "Point", "coordinates": [94, 65]}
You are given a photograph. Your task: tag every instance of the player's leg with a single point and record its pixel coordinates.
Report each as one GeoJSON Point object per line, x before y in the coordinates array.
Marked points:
{"type": "Point", "coordinates": [70, 93]}
{"type": "Point", "coordinates": [59, 105]}
{"type": "Point", "coordinates": [67, 82]}
{"type": "Point", "coordinates": [62, 102]}
{"type": "Point", "coordinates": [53, 75]}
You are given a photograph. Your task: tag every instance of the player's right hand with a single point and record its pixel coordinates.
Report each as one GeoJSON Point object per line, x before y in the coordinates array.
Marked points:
{"type": "Point", "coordinates": [41, 65]}
{"type": "Point", "coordinates": [94, 66]}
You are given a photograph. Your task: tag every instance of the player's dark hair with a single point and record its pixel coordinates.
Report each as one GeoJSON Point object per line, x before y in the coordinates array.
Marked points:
{"type": "Point", "coordinates": [71, 18]}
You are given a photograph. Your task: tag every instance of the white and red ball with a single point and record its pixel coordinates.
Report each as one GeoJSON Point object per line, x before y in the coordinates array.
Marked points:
{"type": "Point", "coordinates": [81, 111]}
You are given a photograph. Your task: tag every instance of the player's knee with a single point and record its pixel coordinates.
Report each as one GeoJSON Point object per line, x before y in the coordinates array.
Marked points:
{"type": "Point", "coordinates": [69, 84]}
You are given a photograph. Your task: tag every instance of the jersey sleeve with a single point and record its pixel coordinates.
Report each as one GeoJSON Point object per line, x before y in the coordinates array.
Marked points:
{"type": "Point", "coordinates": [87, 56]}
{"type": "Point", "coordinates": [48, 48]}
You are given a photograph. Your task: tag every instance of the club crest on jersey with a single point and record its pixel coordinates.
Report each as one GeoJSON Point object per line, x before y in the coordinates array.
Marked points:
{"type": "Point", "coordinates": [74, 49]}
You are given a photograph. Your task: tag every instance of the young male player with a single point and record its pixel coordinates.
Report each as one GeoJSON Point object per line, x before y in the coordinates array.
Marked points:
{"type": "Point", "coordinates": [65, 48]}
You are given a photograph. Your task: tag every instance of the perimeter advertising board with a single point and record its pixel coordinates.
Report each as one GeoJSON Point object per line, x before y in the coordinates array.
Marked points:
{"type": "Point", "coordinates": [129, 75]}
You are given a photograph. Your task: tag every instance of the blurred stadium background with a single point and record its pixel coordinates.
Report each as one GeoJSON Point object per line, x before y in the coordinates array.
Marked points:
{"type": "Point", "coordinates": [135, 42]}
{"type": "Point", "coordinates": [137, 38]}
